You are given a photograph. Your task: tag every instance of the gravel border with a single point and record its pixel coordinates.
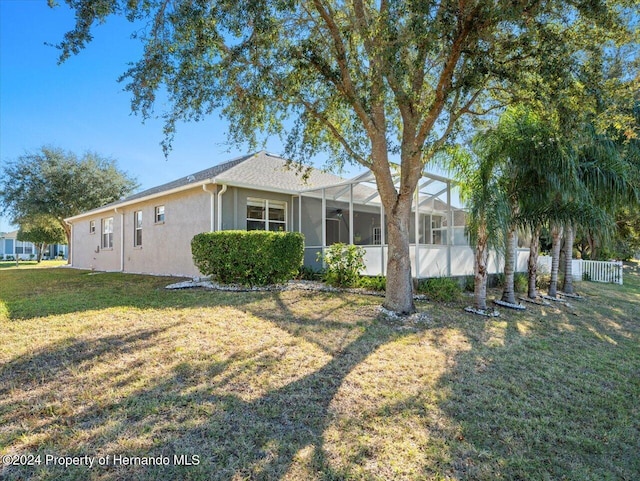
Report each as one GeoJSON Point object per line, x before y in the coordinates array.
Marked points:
{"type": "Point", "coordinates": [517, 307]}
{"type": "Point", "coordinates": [300, 285]}
{"type": "Point", "coordinates": [483, 312]}
{"type": "Point", "coordinates": [537, 301]}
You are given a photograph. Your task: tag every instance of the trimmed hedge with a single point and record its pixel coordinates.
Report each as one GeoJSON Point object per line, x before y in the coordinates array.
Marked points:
{"type": "Point", "coordinates": [253, 258]}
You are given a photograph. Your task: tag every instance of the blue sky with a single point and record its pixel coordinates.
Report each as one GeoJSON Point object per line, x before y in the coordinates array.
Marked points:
{"type": "Point", "coordinates": [80, 106]}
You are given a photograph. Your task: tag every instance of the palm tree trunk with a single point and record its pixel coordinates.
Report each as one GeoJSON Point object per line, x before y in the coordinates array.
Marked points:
{"type": "Point", "coordinates": [567, 285]}
{"type": "Point", "coordinates": [508, 293]}
{"type": "Point", "coordinates": [532, 266]}
{"type": "Point", "coordinates": [556, 238]}
{"type": "Point", "coordinates": [480, 278]}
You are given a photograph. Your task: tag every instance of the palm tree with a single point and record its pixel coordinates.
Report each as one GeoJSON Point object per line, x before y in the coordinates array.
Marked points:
{"type": "Point", "coordinates": [607, 174]}
{"type": "Point", "coordinates": [532, 162]}
{"type": "Point", "coordinates": [487, 216]}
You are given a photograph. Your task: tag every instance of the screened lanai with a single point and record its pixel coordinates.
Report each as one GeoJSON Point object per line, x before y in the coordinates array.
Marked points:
{"type": "Point", "coordinates": [351, 212]}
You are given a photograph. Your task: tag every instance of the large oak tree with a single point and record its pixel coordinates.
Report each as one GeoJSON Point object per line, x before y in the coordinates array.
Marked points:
{"type": "Point", "coordinates": [370, 82]}
{"type": "Point", "coordinates": [56, 184]}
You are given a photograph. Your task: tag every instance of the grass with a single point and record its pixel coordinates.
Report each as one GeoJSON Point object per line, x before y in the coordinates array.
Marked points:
{"type": "Point", "coordinates": [306, 385]}
{"type": "Point", "coordinates": [31, 264]}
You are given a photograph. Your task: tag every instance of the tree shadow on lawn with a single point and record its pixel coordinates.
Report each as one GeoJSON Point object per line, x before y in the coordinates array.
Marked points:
{"type": "Point", "coordinates": [525, 399]}
{"type": "Point", "coordinates": [555, 398]}
{"type": "Point", "coordinates": [40, 374]}
{"type": "Point", "coordinates": [189, 410]}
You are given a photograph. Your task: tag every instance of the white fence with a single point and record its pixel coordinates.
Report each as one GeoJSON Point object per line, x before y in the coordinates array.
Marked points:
{"type": "Point", "coordinates": [596, 271]}
{"type": "Point", "coordinates": [601, 271]}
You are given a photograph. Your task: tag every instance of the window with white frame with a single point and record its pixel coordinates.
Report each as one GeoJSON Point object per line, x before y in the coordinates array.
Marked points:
{"type": "Point", "coordinates": [107, 233]}
{"type": "Point", "coordinates": [263, 214]}
{"type": "Point", "coordinates": [24, 247]}
{"type": "Point", "coordinates": [137, 228]}
{"type": "Point", "coordinates": [376, 236]}
{"type": "Point", "coordinates": [159, 214]}
{"type": "Point", "coordinates": [92, 227]}
{"type": "Point", "coordinates": [439, 229]}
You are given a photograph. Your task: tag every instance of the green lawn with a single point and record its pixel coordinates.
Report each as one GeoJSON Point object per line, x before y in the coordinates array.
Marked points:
{"type": "Point", "coordinates": [31, 264]}
{"type": "Point", "coordinates": [304, 385]}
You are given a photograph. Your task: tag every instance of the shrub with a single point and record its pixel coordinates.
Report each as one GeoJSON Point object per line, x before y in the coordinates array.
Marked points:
{"type": "Point", "coordinates": [520, 282]}
{"type": "Point", "coordinates": [248, 257]}
{"type": "Point", "coordinates": [470, 283]}
{"type": "Point", "coordinates": [543, 281]}
{"type": "Point", "coordinates": [443, 289]}
{"type": "Point", "coordinates": [373, 283]}
{"type": "Point", "coordinates": [343, 265]}
{"type": "Point", "coordinates": [307, 273]}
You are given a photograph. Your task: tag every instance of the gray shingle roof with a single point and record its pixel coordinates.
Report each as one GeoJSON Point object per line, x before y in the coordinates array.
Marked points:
{"type": "Point", "coordinates": [260, 170]}
{"type": "Point", "coordinates": [271, 172]}
{"type": "Point", "coordinates": [197, 177]}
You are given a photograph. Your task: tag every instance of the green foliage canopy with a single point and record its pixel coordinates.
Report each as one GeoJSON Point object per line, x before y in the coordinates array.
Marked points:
{"type": "Point", "coordinates": [41, 230]}
{"type": "Point", "coordinates": [59, 184]}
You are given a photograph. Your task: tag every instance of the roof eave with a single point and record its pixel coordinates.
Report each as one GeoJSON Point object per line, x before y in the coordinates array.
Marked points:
{"type": "Point", "coordinates": [243, 185]}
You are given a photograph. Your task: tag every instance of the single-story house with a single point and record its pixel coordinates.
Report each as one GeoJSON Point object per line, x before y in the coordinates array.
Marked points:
{"type": "Point", "coordinates": [150, 232]}
{"type": "Point", "coordinates": [12, 248]}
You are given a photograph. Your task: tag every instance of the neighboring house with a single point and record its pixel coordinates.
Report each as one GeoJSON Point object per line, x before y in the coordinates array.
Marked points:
{"type": "Point", "coordinates": [150, 232]}
{"type": "Point", "coordinates": [11, 247]}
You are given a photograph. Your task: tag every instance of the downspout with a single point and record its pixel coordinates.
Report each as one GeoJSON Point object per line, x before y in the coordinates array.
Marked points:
{"type": "Point", "coordinates": [121, 238]}
{"type": "Point", "coordinates": [222, 191]}
{"type": "Point", "coordinates": [211, 207]}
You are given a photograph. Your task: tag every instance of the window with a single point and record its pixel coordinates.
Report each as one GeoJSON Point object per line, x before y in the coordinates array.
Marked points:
{"type": "Point", "coordinates": [266, 215]}
{"type": "Point", "coordinates": [92, 227]}
{"type": "Point", "coordinates": [137, 228]}
{"type": "Point", "coordinates": [376, 236]}
{"type": "Point", "coordinates": [439, 229]}
{"type": "Point", "coordinates": [107, 233]}
{"type": "Point", "coordinates": [159, 214]}
{"type": "Point", "coordinates": [24, 247]}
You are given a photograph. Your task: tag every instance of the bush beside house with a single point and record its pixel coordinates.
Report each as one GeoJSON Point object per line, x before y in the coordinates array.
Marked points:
{"type": "Point", "coordinates": [248, 257]}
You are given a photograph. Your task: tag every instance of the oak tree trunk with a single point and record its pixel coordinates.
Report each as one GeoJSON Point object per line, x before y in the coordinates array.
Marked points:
{"type": "Point", "coordinates": [67, 231]}
{"type": "Point", "coordinates": [399, 289]}
{"type": "Point", "coordinates": [593, 247]}
{"type": "Point", "coordinates": [532, 265]}
{"type": "Point", "coordinates": [41, 247]}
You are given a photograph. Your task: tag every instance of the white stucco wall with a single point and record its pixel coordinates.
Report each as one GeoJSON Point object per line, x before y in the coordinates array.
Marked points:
{"type": "Point", "coordinates": [166, 247]}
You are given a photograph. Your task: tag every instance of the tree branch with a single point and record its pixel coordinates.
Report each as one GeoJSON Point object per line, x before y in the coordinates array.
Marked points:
{"type": "Point", "coordinates": [346, 85]}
